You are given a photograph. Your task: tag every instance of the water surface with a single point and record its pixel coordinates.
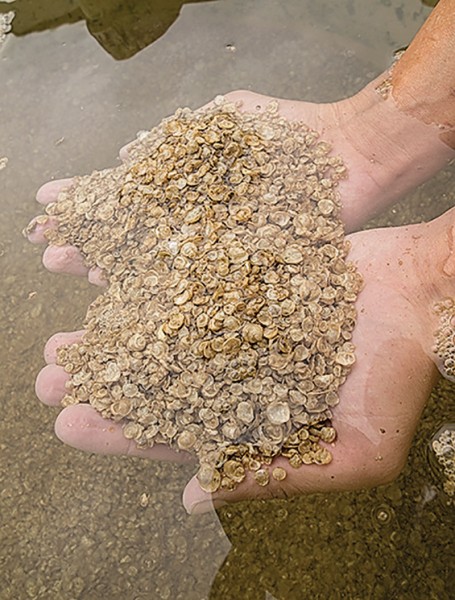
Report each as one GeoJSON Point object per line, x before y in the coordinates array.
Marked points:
{"type": "Point", "coordinates": [79, 526]}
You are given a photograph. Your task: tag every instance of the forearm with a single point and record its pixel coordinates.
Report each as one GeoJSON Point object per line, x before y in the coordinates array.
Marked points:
{"type": "Point", "coordinates": [403, 122]}
{"type": "Point", "coordinates": [423, 80]}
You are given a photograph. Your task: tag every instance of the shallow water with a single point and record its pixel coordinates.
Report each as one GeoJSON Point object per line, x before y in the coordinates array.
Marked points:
{"type": "Point", "coordinates": [78, 526]}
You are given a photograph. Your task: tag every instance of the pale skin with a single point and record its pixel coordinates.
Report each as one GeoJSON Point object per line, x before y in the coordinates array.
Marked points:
{"type": "Point", "coordinates": [389, 150]}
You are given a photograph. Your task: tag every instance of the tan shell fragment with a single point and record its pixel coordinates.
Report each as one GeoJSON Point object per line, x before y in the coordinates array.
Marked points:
{"type": "Point", "coordinates": [279, 474]}
{"type": "Point", "coordinates": [243, 214]}
{"type": "Point", "coordinates": [105, 212]}
{"type": "Point", "coordinates": [262, 477]}
{"type": "Point", "coordinates": [176, 321]}
{"type": "Point", "coordinates": [209, 478]}
{"type": "Point", "coordinates": [295, 461]}
{"type": "Point", "coordinates": [293, 255]}
{"type": "Point", "coordinates": [230, 431]}
{"type": "Point", "coordinates": [346, 359]}
{"type": "Point", "coordinates": [137, 342]}
{"type": "Point", "coordinates": [194, 215]}
{"type": "Point", "coordinates": [252, 332]}
{"type": "Point", "coordinates": [132, 431]}
{"type": "Point", "coordinates": [231, 345]}
{"type": "Point", "coordinates": [245, 412]}
{"type": "Point", "coordinates": [328, 434]}
{"type": "Point", "coordinates": [234, 471]}
{"type": "Point", "coordinates": [121, 408]}
{"type": "Point", "coordinates": [111, 372]}
{"type": "Point", "coordinates": [237, 254]}
{"type": "Point", "coordinates": [278, 413]}
{"type": "Point", "coordinates": [323, 456]}
{"type": "Point", "coordinates": [326, 207]}
{"type": "Point", "coordinates": [189, 249]}
{"type": "Point", "coordinates": [186, 440]}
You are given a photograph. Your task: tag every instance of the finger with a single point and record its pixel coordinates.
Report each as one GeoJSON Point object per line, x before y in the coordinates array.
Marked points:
{"type": "Point", "coordinates": [354, 464]}
{"type": "Point", "coordinates": [57, 259]}
{"type": "Point", "coordinates": [46, 194]}
{"type": "Point", "coordinates": [81, 427]}
{"type": "Point", "coordinates": [60, 339]}
{"type": "Point", "coordinates": [49, 192]}
{"type": "Point", "coordinates": [124, 151]}
{"type": "Point", "coordinates": [197, 501]}
{"type": "Point", "coordinates": [65, 259]}
{"type": "Point", "coordinates": [68, 259]}
{"type": "Point", "coordinates": [50, 385]}
{"type": "Point", "coordinates": [36, 229]}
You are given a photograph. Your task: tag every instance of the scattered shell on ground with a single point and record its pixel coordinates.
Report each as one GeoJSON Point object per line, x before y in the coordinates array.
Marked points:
{"type": "Point", "coordinates": [444, 337]}
{"type": "Point", "coordinates": [6, 20]}
{"type": "Point", "coordinates": [443, 446]}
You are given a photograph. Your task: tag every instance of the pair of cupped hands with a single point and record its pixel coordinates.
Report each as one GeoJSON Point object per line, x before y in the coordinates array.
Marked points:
{"type": "Point", "coordinates": [405, 270]}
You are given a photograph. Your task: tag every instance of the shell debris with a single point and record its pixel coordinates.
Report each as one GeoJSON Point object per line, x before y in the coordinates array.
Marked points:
{"type": "Point", "coordinates": [444, 337]}
{"type": "Point", "coordinates": [443, 447]}
{"type": "Point", "coordinates": [6, 20]}
{"type": "Point", "coordinates": [225, 329]}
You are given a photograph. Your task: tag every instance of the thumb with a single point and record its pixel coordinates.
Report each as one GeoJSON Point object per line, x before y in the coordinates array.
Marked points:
{"type": "Point", "coordinates": [278, 480]}
{"type": "Point", "coordinates": [196, 501]}
{"type": "Point", "coordinates": [354, 464]}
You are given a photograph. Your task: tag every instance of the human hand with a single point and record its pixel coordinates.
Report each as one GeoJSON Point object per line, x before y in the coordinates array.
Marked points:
{"type": "Point", "coordinates": [380, 403]}
{"type": "Point", "coordinates": [406, 270]}
{"type": "Point", "coordinates": [387, 152]}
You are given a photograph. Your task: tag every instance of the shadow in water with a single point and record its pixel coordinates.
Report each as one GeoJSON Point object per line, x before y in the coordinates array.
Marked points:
{"type": "Point", "coordinates": [121, 27]}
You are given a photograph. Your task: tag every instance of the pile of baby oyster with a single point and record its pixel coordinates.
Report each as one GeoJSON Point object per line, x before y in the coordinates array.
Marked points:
{"type": "Point", "coordinates": [444, 337]}
{"type": "Point", "coordinates": [225, 328]}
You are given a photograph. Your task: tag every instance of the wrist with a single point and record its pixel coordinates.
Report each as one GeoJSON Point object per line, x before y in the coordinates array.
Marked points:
{"type": "Point", "coordinates": [394, 151]}
{"type": "Point", "coordinates": [422, 81]}
{"type": "Point", "coordinates": [402, 138]}
{"type": "Point", "coordinates": [437, 256]}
